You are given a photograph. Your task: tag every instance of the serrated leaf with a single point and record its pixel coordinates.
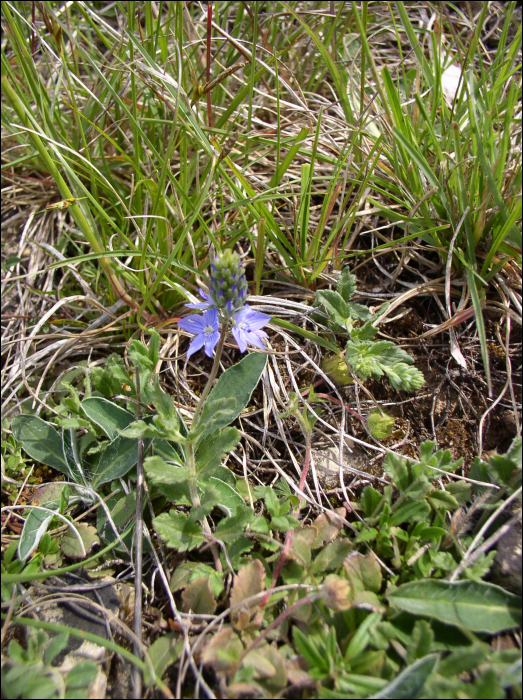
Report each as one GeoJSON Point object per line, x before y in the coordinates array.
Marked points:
{"type": "Point", "coordinates": [223, 482]}
{"type": "Point", "coordinates": [213, 448]}
{"type": "Point", "coordinates": [235, 523]}
{"type": "Point", "coordinates": [369, 358]}
{"type": "Point", "coordinates": [346, 284]}
{"type": "Point", "coordinates": [365, 332]}
{"type": "Point", "coordinates": [198, 597]}
{"type": "Point", "coordinates": [210, 498]}
{"type": "Point", "coordinates": [411, 511]}
{"type": "Point", "coordinates": [178, 531]}
{"type": "Point", "coordinates": [336, 306]}
{"type": "Point", "coordinates": [40, 440]}
{"type": "Point", "coordinates": [107, 415]}
{"type": "Point", "coordinates": [249, 582]}
{"type": "Point", "coordinates": [160, 471]}
{"type": "Point", "coordinates": [475, 605]}
{"type": "Point", "coordinates": [442, 499]}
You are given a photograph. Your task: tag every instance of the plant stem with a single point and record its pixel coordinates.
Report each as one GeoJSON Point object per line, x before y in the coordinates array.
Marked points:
{"type": "Point", "coordinates": [195, 499]}
{"type": "Point", "coordinates": [212, 376]}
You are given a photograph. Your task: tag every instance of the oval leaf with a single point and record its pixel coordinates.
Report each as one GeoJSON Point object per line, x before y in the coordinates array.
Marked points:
{"type": "Point", "coordinates": [40, 440]}
{"type": "Point", "coordinates": [107, 415]}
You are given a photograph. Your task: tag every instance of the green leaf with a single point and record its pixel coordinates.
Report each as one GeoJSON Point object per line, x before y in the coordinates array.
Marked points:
{"type": "Point", "coordinates": [222, 413]}
{"type": "Point", "coordinates": [191, 570]}
{"type": "Point", "coordinates": [80, 676]}
{"type": "Point", "coordinates": [55, 646]}
{"type": "Point", "coordinates": [70, 453]}
{"type": "Point", "coordinates": [119, 457]}
{"type": "Point", "coordinates": [370, 500]}
{"type": "Point", "coordinates": [213, 448]}
{"type": "Point", "coordinates": [336, 306]}
{"type": "Point", "coordinates": [412, 511]}
{"type": "Point", "coordinates": [331, 556]}
{"type": "Point", "coordinates": [364, 572]}
{"type": "Point", "coordinates": [166, 650]}
{"type": "Point", "coordinates": [370, 358]}
{"type": "Point", "coordinates": [442, 499]}
{"type": "Point", "coordinates": [308, 649]}
{"type": "Point", "coordinates": [210, 498]}
{"type": "Point", "coordinates": [223, 482]}
{"type": "Point", "coordinates": [409, 684]}
{"type": "Point", "coordinates": [346, 284]}
{"type": "Point", "coordinates": [160, 471]}
{"type": "Point", "coordinates": [477, 606]}
{"type": "Point", "coordinates": [70, 545]}
{"type": "Point", "coordinates": [178, 531]}
{"type": "Point", "coordinates": [107, 415]}
{"type": "Point", "coordinates": [40, 440]}
{"type": "Point", "coordinates": [35, 527]}
{"type": "Point", "coordinates": [235, 524]}
{"type": "Point", "coordinates": [238, 382]}
{"type": "Point", "coordinates": [198, 597]}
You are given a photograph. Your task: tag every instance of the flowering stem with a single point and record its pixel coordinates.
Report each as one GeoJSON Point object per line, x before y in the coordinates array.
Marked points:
{"type": "Point", "coordinates": [214, 371]}
{"type": "Point", "coordinates": [195, 499]}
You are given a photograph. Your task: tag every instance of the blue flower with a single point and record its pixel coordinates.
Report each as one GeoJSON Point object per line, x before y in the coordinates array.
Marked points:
{"type": "Point", "coordinates": [206, 331]}
{"type": "Point", "coordinates": [247, 325]}
{"type": "Point", "coordinates": [207, 304]}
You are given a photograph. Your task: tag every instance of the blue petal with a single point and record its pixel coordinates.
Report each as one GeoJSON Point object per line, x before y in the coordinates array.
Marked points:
{"type": "Point", "coordinates": [196, 343]}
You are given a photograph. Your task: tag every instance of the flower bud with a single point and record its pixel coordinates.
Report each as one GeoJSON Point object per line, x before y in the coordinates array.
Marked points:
{"type": "Point", "coordinates": [337, 370]}
{"type": "Point", "coordinates": [228, 287]}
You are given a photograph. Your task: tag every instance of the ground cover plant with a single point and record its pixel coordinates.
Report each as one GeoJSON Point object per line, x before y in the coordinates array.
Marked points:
{"type": "Point", "coordinates": [261, 302]}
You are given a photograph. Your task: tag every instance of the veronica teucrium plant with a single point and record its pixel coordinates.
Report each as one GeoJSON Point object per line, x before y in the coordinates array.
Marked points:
{"type": "Point", "coordinates": [187, 465]}
{"type": "Point", "coordinates": [225, 304]}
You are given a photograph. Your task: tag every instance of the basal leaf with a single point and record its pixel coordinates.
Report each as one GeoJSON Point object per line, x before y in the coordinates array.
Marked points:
{"type": "Point", "coordinates": [477, 606]}
{"type": "Point", "coordinates": [119, 457]}
{"type": "Point", "coordinates": [107, 415]}
{"type": "Point", "coordinates": [198, 597]}
{"type": "Point", "coordinates": [40, 440]}
{"type": "Point", "coordinates": [35, 527]}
